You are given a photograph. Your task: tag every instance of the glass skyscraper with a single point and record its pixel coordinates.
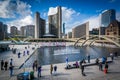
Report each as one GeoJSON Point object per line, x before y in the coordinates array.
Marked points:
{"type": "Point", "coordinates": [107, 16]}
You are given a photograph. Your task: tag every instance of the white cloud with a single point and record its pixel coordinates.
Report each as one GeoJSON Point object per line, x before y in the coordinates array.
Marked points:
{"type": "Point", "coordinates": [44, 14]}
{"type": "Point", "coordinates": [9, 9]}
{"type": "Point", "coordinates": [4, 10]}
{"type": "Point", "coordinates": [67, 14]}
{"type": "Point", "coordinates": [23, 8]}
{"type": "Point", "coordinates": [16, 10]}
{"type": "Point", "coordinates": [28, 20]}
{"type": "Point", "coordinates": [52, 11]}
{"type": "Point", "coordinates": [93, 22]}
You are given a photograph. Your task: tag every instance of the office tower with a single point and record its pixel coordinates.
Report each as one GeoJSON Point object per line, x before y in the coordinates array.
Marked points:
{"type": "Point", "coordinates": [107, 16]}
{"type": "Point", "coordinates": [3, 31]}
{"type": "Point", "coordinates": [13, 31]}
{"type": "Point", "coordinates": [29, 31]}
{"type": "Point", "coordinates": [81, 30]}
{"type": "Point", "coordinates": [69, 35]}
{"type": "Point", "coordinates": [39, 26]}
{"type": "Point", "coordinates": [55, 23]}
{"type": "Point", "coordinates": [22, 30]}
{"type": "Point", "coordinates": [63, 28]}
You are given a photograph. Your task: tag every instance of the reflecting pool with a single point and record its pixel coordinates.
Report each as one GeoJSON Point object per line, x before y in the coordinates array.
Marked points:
{"type": "Point", "coordinates": [51, 55]}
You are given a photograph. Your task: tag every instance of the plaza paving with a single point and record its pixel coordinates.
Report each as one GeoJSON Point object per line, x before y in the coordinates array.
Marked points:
{"type": "Point", "coordinates": [92, 72]}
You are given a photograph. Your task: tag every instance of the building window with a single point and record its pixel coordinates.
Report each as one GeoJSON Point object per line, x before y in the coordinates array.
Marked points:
{"type": "Point", "coordinates": [107, 33]}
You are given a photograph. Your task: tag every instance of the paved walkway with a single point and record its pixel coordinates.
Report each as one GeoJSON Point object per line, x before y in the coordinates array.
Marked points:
{"type": "Point", "coordinates": [17, 62]}
{"type": "Point", "coordinates": [92, 72]}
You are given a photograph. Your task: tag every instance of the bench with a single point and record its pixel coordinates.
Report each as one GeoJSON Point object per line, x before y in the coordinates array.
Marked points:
{"type": "Point", "coordinates": [85, 64]}
{"type": "Point", "coordinates": [71, 66]}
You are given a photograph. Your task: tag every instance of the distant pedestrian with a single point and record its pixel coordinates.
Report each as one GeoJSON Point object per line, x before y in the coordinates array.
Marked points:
{"type": "Point", "coordinates": [6, 65]}
{"type": "Point", "coordinates": [112, 56]}
{"type": "Point", "coordinates": [23, 53]}
{"type": "Point", "coordinates": [36, 64]}
{"type": "Point", "coordinates": [82, 70]}
{"type": "Point", "coordinates": [66, 61]}
{"type": "Point", "coordinates": [100, 66]}
{"type": "Point", "coordinates": [39, 71]}
{"type": "Point", "coordinates": [88, 58]}
{"type": "Point", "coordinates": [2, 64]}
{"type": "Point", "coordinates": [116, 54]}
{"type": "Point", "coordinates": [55, 69]}
{"type": "Point", "coordinates": [106, 68]}
{"type": "Point", "coordinates": [33, 66]}
{"type": "Point", "coordinates": [51, 69]}
{"type": "Point", "coordinates": [11, 62]}
{"type": "Point", "coordinates": [104, 59]}
{"type": "Point", "coordinates": [19, 55]}
{"type": "Point", "coordinates": [27, 52]}
{"type": "Point", "coordinates": [97, 61]}
{"type": "Point", "coordinates": [11, 70]}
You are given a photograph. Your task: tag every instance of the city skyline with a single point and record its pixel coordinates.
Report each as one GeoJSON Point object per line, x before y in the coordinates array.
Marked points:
{"type": "Point", "coordinates": [75, 12]}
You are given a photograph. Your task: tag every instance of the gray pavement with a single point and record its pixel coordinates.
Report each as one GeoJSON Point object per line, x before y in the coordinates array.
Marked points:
{"type": "Point", "coordinates": [92, 72]}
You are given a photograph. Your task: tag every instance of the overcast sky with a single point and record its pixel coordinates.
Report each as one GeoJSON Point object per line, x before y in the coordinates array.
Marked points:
{"type": "Point", "coordinates": [74, 12]}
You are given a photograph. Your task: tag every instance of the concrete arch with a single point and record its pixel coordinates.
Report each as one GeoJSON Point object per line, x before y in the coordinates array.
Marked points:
{"type": "Point", "coordinates": [96, 37]}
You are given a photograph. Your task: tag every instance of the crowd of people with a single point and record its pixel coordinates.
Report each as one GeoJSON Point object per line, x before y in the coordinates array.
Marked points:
{"type": "Point", "coordinates": [37, 67]}
{"type": "Point", "coordinates": [5, 66]}
{"type": "Point", "coordinates": [103, 64]}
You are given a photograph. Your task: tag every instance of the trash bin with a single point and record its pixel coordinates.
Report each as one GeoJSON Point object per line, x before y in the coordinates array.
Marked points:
{"type": "Point", "coordinates": [23, 76]}
{"type": "Point", "coordinates": [31, 75]}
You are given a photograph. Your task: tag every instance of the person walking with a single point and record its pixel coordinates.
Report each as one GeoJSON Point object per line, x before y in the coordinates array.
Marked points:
{"type": "Point", "coordinates": [2, 64]}
{"type": "Point", "coordinates": [97, 61]}
{"type": "Point", "coordinates": [66, 61]}
{"type": "Point", "coordinates": [82, 70]}
{"type": "Point", "coordinates": [39, 71]}
{"type": "Point", "coordinates": [55, 69]}
{"type": "Point", "coordinates": [51, 69]}
{"type": "Point", "coordinates": [36, 64]}
{"type": "Point", "coordinates": [116, 54]}
{"type": "Point", "coordinates": [19, 55]}
{"type": "Point", "coordinates": [88, 58]}
{"type": "Point", "coordinates": [6, 65]}
{"type": "Point", "coordinates": [11, 62]}
{"type": "Point", "coordinates": [106, 68]}
{"type": "Point", "coordinates": [100, 66]}
{"type": "Point", "coordinates": [33, 66]}
{"type": "Point", "coordinates": [112, 56]}
{"type": "Point", "coordinates": [11, 70]}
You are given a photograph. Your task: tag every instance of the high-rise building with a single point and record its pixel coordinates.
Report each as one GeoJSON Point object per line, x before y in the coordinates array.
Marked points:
{"type": "Point", "coordinates": [13, 30]}
{"type": "Point", "coordinates": [69, 35]}
{"type": "Point", "coordinates": [22, 32]}
{"type": "Point", "coordinates": [55, 23]}
{"type": "Point", "coordinates": [106, 17]}
{"type": "Point", "coordinates": [29, 31]}
{"type": "Point", "coordinates": [3, 31]}
{"type": "Point", "coordinates": [39, 26]}
{"type": "Point", "coordinates": [42, 28]}
{"type": "Point", "coordinates": [63, 28]}
{"type": "Point", "coordinates": [81, 30]}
